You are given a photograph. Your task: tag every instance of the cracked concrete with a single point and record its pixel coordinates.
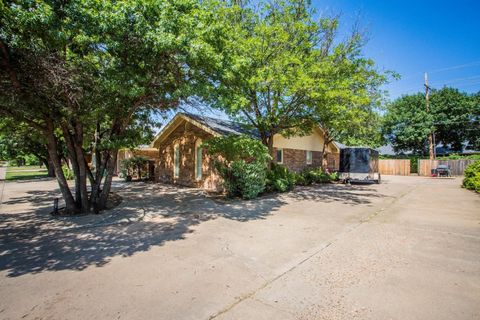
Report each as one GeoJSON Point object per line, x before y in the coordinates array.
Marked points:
{"type": "Point", "coordinates": [406, 249]}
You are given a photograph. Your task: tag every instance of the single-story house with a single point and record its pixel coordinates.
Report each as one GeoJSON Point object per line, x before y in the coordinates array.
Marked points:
{"type": "Point", "coordinates": [182, 161]}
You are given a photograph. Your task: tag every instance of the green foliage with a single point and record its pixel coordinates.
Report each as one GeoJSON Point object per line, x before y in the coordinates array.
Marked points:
{"type": "Point", "coordinates": [454, 117]}
{"type": "Point", "coordinates": [241, 162]}
{"type": "Point", "coordinates": [316, 175]}
{"type": "Point", "coordinates": [280, 179]}
{"type": "Point", "coordinates": [460, 156]}
{"type": "Point", "coordinates": [234, 148]}
{"type": "Point", "coordinates": [472, 177]}
{"type": "Point", "coordinates": [133, 165]}
{"type": "Point", "coordinates": [334, 176]}
{"type": "Point", "coordinates": [244, 179]}
{"type": "Point", "coordinates": [285, 72]}
{"type": "Point", "coordinates": [92, 73]}
{"type": "Point", "coordinates": [20, 144]}
{"type": "Point", "coordinates": [67, 172]}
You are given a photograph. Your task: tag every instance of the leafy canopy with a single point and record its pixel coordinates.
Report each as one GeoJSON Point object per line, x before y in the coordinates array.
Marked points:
{"type": "Point", "coordinates": [454, 117]}
{"type": "Point", "coordinates": [286, 71]}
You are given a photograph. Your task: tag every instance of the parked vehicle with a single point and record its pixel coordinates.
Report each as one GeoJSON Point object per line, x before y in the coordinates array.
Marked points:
{"type": "Point", "coordinates": [442, 170]}
{"type": "Point", "coordinates": [359, 165]}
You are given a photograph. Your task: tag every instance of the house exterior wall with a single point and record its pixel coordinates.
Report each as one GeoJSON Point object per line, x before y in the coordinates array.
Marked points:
{"type": "Point", "coordinates": [295, 151]}
{"type": "Point", "coordinates": [296, 160]}
{"type": "Point", "coordinates": [185, 136]}
{"type": "Point", "coordinates": [312, 142]}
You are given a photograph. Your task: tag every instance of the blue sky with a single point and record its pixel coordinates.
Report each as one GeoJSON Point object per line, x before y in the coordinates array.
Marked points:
{"type": "Point", "coordinates": [413, 37]}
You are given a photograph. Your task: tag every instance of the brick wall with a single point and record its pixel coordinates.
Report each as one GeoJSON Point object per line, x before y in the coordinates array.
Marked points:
{"type": "Point", "coordinates": [296, 160]}
{"type": "Point", "coordinates": [186, 135]}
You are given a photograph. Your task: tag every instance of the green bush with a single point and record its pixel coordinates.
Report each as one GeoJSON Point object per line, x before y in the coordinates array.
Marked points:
{"type": "Point", "coordinates": [242, 179]}
{"type": "Point", "coordinates": [455, 156]}
{"type": "Point", "coordinates": [472, 177]}
{"type": "Point", "coordinates": [317, 176]}
{"type": "Point", "coordinates": [301, 180]}
{"type": "Point", "coordinates": [132, 166]}
{"type": "Point", "coordinates": [241, 162]}
{"type": "Point", "coordinates": [279, 178]}
{"type": "Point", "coordinates": [334, 176]}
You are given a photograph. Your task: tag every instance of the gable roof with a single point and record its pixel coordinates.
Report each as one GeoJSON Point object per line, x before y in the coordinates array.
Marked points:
{"type": "Point", "coordinates": [224, 127]}
{"type": "Point", "coordinates": [214, 126]}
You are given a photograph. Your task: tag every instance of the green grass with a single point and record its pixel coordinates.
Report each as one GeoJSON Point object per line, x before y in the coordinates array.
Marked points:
{"type": "Point", "coordinates": [25, 173]}
{"type": "Point", "coordinates": [22, 168]}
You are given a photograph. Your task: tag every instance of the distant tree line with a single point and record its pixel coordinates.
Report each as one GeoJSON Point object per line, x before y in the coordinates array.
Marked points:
{"type": "Point", "coordinates": [453, 117]}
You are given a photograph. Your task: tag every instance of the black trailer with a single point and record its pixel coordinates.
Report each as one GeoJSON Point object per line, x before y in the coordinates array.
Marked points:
{"type": "Point", "coordinates": [359, 165]}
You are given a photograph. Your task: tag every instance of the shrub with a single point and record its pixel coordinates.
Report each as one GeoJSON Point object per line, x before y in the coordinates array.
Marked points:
{"type": "Point", "coordinates": [241, 162]}
{"type": "Point", "coordinates": [317, 176]}
{"type": "Point", "coordinates": [133, 165]}
{"type": "Point", "coordinates": [455, 156]}
{"type": "Point", "coordinates": [279, 178]}
{"type": "Point", "coordinates": [300, 180]}
{"type": "Point", "coordinates": [472, 177]}
{"type": "Point", "coordinates": [334, 176]}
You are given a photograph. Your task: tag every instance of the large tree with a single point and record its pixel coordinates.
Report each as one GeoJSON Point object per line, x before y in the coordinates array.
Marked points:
{"type": "Point", "coordinates": [287, 71]}
{"type": "Point", "coordinates": [453, 116]}
{"type": "Point", "coordinates": [90, 71]}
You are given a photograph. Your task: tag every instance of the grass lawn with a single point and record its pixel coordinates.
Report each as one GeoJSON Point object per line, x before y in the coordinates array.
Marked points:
{"type": "Point", "coordinates": [24, 173]}
{"type": "Point", "coordinates": [23, 168]}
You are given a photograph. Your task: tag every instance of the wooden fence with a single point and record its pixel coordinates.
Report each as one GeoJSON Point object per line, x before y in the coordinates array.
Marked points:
{"type": "Point", "coordinates": [457, 167]}
{"type": "Point", "coordinates": [398, 167]}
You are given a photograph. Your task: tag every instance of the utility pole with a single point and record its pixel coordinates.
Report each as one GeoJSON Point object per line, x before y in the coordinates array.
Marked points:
{"type": "Point", "coordinates": [430, 135]}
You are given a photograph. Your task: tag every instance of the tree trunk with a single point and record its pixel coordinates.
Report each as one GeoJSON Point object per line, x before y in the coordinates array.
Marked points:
{"type": "Point", "coordinates": [326, 139]}
{"type": "Point", "coordinates": [82, 170]}
{"type": "Point", "coordinates": [74, 142]}
{"type": "Point", "coordinates": [72, 157]}
{"type": "Point", "coordinates": [70, 205]}
{"type": "Point", "coordinates": [110, 168]}
{"type": "Point", "coordinates": [50, 168]}
{"type": "Point", "coordinates": [267, 141]}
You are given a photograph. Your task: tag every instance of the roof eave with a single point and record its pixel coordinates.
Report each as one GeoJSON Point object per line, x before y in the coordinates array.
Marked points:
{"type": "Point", "coordinates": [173, 124]}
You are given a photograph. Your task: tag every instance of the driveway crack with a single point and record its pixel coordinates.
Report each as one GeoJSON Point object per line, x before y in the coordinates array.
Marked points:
{"type": "Point", "coordinates": [318, 251]}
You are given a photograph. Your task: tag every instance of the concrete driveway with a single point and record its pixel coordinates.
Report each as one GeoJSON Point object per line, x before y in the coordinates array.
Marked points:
{"type": "Point", "coordinates": [406, 249]}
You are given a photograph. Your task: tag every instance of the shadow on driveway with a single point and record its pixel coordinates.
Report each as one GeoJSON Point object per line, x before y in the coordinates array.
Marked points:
{"type": "Point", "coordinates": [150, 215]}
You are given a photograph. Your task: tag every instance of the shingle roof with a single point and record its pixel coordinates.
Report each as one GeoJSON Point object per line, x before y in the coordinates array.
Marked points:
{"type": "Point", "coordinates": [224, 127]}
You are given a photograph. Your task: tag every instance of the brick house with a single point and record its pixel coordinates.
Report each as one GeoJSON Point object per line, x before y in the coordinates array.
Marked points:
{"type": "Point", "coordinates": [182, 161]}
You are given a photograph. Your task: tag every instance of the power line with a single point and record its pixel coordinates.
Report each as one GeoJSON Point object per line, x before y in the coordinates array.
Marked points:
{"type": "Point", "coordinates": [456, 67]}
{"type": "Point", "coordinates": [452, 81]}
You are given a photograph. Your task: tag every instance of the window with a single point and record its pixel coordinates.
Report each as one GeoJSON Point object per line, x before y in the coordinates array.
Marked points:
{"type": "Point", "coordinates": [279, 157]}
{"type": "Point", "coordinates": [309, 157]}
{"type": "Point", "coordinates": [176, 161]}
{"type": "Point", "coordinates": [198, 159]}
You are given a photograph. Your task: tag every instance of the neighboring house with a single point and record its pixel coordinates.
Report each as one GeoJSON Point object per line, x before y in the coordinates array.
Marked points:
{"type": "Point", "coordinates": [182, 161]}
